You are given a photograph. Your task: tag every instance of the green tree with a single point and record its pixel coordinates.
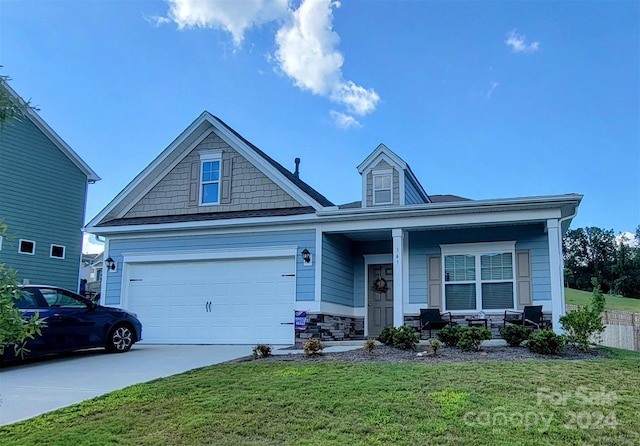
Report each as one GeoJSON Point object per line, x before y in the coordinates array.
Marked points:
{"type": "Point", "coordinates": [15, 330]}
{"type": "Point", "coordinates": [11, 107]}
{"type": "Point", "coordinates": [589, 252]}
{"type": "Point", "coordinates": [585, 323]}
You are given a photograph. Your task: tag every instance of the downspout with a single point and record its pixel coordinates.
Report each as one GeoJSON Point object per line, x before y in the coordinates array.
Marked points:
{"type": "Point", "coordinates": [560, 221]}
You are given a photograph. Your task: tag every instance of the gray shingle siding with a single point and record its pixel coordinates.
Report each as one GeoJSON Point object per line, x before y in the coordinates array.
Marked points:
{"type": "Point", "coordinates": [250, 188]}
{"type": "Point", "coordinates": [396, 183]}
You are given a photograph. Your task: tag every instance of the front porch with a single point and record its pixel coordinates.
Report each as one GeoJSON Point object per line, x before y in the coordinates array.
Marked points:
{"type": "Point", "coordinates": [371, 279]}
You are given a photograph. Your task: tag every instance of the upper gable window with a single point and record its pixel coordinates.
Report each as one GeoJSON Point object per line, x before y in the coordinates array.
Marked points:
{"type": "Point", "coordinates": [210, 177]}
{"type": "Point", "coordinates": [383, 187]}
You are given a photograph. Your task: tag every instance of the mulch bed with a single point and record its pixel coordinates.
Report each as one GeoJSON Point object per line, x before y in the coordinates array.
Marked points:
{"type": "Point", "coordinates": [384, 353]}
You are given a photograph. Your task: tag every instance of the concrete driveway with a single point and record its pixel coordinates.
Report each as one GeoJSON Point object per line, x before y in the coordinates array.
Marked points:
{"type": "Point", "coordinates": [42, 385]}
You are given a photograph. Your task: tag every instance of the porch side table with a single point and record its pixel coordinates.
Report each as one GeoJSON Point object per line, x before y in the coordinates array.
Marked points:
{"type": "Point", "coordinates": [477, 322]}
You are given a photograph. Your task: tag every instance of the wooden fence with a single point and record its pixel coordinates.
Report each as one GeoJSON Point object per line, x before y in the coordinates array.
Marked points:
{"type": "Point", "coordinates": [622, 329]}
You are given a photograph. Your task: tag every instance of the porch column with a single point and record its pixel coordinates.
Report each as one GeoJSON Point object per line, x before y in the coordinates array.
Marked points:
{"type": "Point", "coordinates": [398, 268]}
{"type": "Point", "coordinates": [556, 273]}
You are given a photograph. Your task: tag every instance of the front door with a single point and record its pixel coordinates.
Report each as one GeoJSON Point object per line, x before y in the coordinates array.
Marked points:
{"type": "Point", "coordinates": [380, 285]}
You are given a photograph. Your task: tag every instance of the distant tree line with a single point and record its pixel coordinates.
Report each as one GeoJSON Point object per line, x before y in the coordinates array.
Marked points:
{"type": "Point", "coordinates": [595, 252]}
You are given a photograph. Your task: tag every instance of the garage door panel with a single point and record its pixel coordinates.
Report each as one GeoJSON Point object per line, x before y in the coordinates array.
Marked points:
{"type": "Point", "coordinates": [249, 300]}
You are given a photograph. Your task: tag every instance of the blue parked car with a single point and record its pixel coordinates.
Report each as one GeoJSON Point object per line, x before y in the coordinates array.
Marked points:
{"type": "Point", "coordinates": [74, 322]}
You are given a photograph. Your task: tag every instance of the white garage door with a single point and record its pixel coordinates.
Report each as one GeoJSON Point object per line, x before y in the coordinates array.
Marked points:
{"type": "Point", "coordinates": [214, 302]}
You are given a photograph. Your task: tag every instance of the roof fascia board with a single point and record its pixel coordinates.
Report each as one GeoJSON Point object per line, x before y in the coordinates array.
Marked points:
{"type": "Point", "coordinates": [244, 222]}
{"type": "Point", "coordinates": [205, 231]}
{"type": "Point", "coordinates": [379, 152]}
{"type": "Point", "coordinates": [147, 170]}
{"type": "Point", "coordinates": [263, 165]}
{"type": "Point", "coordinates": [556, 201]}
{"type": "Point", "coordinates": [165, 171]}
{"type": "Point", "coordinates": [441, 221]}
{"type": "Point", "coordinates": [35, 118]}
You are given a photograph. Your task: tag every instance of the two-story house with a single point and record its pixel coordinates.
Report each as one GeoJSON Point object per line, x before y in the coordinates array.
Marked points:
{"type": "Point", "coordinates": [43, 191]}
{"type": "Point", "coordinates": [216, 242]}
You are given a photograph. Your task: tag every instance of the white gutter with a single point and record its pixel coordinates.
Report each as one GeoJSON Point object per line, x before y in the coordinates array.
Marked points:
{"type": "Point", "coordinates": [471, 205]}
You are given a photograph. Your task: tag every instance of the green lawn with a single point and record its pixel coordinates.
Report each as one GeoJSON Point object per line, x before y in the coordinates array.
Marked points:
{"type": "Point", "coordinates": [576, 297]}
{"type": "Point", "coordinates": [331, 403]}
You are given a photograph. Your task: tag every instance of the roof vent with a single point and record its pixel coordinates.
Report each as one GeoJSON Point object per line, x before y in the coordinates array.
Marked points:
{"type": "Point", "coordinates": [296, 173]}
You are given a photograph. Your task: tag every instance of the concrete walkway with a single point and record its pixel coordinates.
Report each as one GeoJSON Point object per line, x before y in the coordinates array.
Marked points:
{"type": "Point", "coordinates": [42, 385]}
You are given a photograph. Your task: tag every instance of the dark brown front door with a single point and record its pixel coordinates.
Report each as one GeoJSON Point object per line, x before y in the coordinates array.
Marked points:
{"type": "Point", "coordinates": [380, 300]}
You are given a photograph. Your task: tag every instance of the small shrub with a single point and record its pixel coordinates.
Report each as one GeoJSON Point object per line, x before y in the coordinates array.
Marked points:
{"type": "Point", "coordinates": [472, 337]}
{"type": "Point", "coordinates": [546, 342]}
{"type": "Point", "coordinates": [515, 334]}
{"type": "Point", "coordinates": [405, 337]}
{"type": "Point", "coordinates": [434, 345]}
{"type": "Point", "coordinates": [585, 323]}
{"type": "Point", "coordinates": [386, 337]}
{"type": "Point", "coordinates": [369, 345]}
{"type": "Point", "coordinates": [312, 346]}
{"type": "Point", "coordinates": [261, 351]}
{"type": "Point", "coordinates": [450, 335]}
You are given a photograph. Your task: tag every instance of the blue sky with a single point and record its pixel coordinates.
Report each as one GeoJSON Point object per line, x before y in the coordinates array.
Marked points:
{"type": "Point", "coordinates": [482, 99]}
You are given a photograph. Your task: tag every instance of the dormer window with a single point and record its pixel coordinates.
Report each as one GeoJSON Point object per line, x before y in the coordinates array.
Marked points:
{"type": "Point", "coordinates": [210, 178]}
{"type": "Point", "coordinates": [383, 187]}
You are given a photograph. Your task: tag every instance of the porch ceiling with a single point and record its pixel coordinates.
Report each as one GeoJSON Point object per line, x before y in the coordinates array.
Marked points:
{"type": "Point", "coordinates": [368, 236]}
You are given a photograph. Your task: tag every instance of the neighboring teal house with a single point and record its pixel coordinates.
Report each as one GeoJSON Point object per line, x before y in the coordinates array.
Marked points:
{"type": "Point", "coordinates": [43, 190]}
{"type": "Point", "coordinates": [216, 242]}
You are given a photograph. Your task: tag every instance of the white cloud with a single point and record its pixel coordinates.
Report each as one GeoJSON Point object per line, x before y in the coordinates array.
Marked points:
{"type": "Point", "coordinates": [307, 54]}
{"type": "Point", "coordinates": [628, 238]}
{"type": "Point", "coordinates": [344, 121]}
{"type": "Point", "coordinates": [306, 44]}
{"type": "Point", "coordinates": [359, 100]}
{"type": "Point", "coordinates": [518, 43]}
{"type": "Point", "coordinates": [233, 16]}
{"type": "Point", "coordinates": [306, 50]}
{"type": "Point", "coordinates": [90, 245]}
{"type": "Point", "coordinates": [493, 87]}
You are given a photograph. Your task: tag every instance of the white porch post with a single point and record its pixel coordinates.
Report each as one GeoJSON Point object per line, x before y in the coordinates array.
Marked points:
{"type": "Point", "coordinates": [398, 268]}
{"type": "Point", "coordinates": [556, 273]}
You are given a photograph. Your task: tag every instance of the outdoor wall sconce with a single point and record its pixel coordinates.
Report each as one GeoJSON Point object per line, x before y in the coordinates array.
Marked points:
{"type": "Point", "coordinates": [110, 264]}
{"type": "Point", "coordinates": [306, 257]}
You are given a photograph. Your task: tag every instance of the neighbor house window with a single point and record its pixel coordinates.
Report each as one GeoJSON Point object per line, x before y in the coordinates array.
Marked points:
{"type": "Point", "coordinates": [210, 177]}
{"type": "Point", "coordinates": [57, 252]}
{"type": "Point", "coordinates": [0, 243]}
{"type": "Point", "coordinates": [479, 276]}
{"type": "Point", "coordinates": [27, 247]}
{"type": "Point", "coordinates": [383, 187]}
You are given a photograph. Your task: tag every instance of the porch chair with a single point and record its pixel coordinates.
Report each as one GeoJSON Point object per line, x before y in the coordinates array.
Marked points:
{"type": "Point", "coordinates": [530, 316]}
{"type": "Point", "coordinates": [431, 318]}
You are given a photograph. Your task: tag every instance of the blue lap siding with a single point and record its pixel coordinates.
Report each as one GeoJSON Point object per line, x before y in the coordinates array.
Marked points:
{"type": "Point", "coordinates": [42, 199]}
{"type": "Point", "coordinates": [305, 276]}
{"type": "Point", "coordinates": [530, 237]}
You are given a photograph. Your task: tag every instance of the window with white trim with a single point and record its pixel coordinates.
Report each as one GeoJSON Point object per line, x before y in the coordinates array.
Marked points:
{"type": "Point", "coordinates": [0, 243]}
{"type": "Point", "coordinates": [479, 276]}
{"type": "Point", "coordinates": [27, 247]}
{"type": "Point", "coordinates": [57, 252]}
{"type": "Point", "coordinates": [383, 187]}
{"type": "Point", "coordinates": [210, 177]}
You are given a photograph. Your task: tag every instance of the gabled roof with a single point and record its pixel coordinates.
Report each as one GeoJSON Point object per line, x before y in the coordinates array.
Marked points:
{"type": "Point", "coordinates": [290, 176]}
{"type": "Point", "coordinates": [184, 143]}
{"type": "Point", "coordinates": [383, 152]}
{"type": "Point", "coordinates": [52, 135]}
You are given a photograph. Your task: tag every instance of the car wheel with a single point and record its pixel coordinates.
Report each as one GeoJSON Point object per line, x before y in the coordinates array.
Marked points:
{"type": "Point", "coordinates": [120, 339]}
